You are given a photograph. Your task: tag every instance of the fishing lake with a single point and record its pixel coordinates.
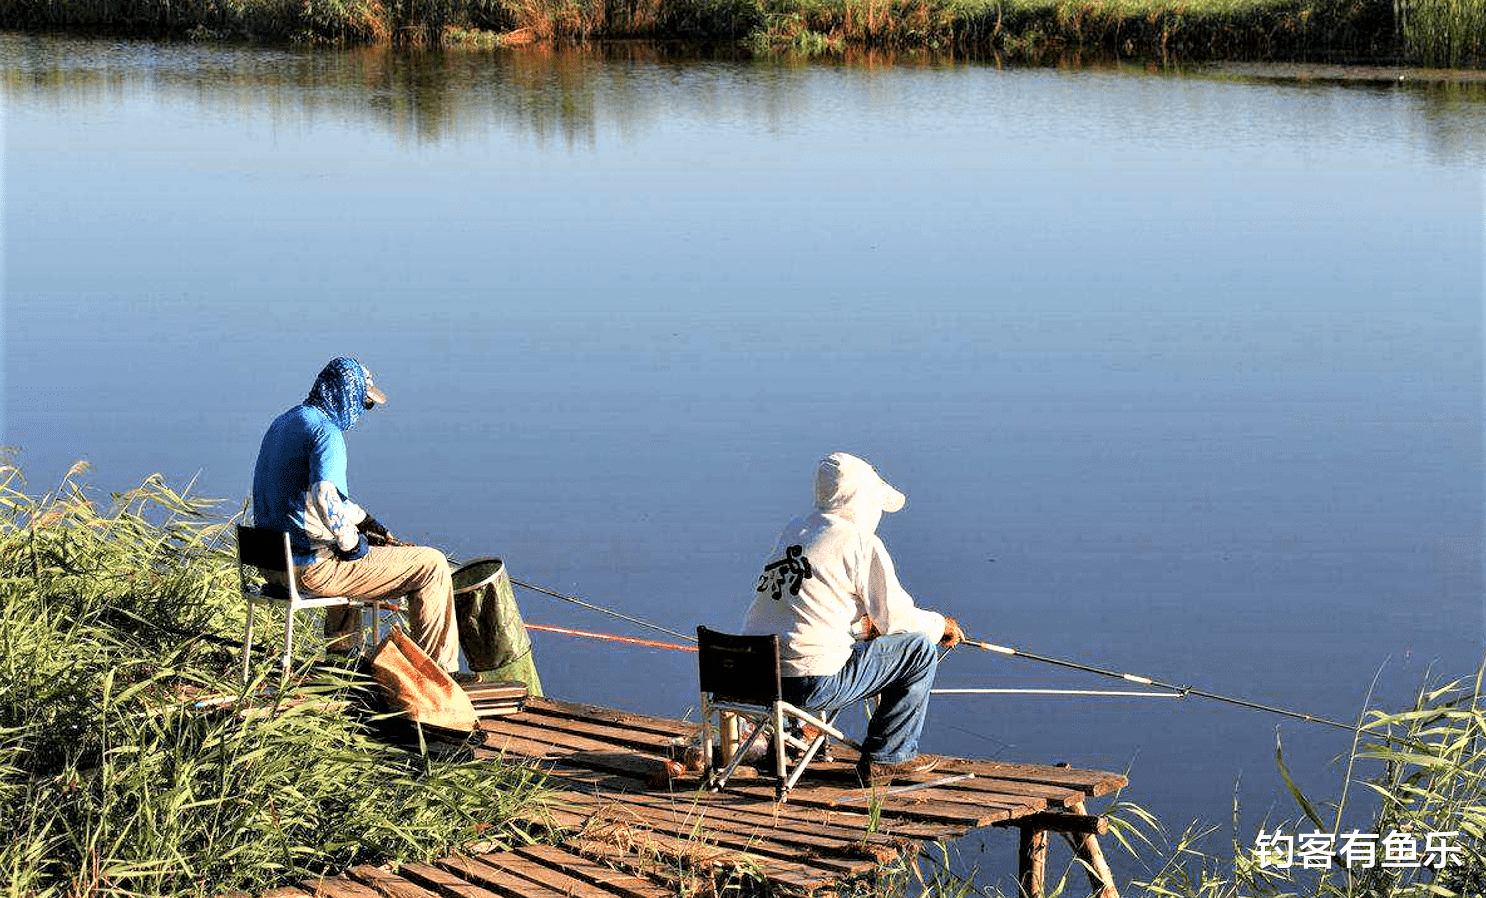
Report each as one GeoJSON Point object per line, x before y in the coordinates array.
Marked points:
{"type": "Point", "coordinates": [1180, 370]}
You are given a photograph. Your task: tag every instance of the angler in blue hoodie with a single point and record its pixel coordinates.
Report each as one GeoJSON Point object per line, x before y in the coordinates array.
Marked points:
{"type": "Point", "coordinates": [299, 485]}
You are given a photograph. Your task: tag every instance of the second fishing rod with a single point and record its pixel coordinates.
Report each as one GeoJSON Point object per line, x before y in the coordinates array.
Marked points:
{"type": "Point", "coordinates": [1181, 691]}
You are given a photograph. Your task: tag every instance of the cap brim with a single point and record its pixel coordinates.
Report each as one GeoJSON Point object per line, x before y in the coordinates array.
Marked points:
{"type": "Point", "coordinates": [892, 500]}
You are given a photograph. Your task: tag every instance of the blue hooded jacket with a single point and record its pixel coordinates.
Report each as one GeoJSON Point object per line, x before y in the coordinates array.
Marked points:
{"type": "Point", "coordinates": [299, 481]}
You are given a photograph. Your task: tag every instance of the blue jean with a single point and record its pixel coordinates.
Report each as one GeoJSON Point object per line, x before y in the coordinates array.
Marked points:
{"type": "Point", "coordinates": [900, 668]}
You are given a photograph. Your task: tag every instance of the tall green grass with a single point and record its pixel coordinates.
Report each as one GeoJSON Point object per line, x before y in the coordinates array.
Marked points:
{"type": "Point", "coordinates": [112, 620]}
{"type": "Point", "coordinates": [1444, 32]}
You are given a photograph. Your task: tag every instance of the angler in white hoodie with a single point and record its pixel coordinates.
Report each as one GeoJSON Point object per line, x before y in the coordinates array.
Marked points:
{"type": "Point", "coordinates": [847, 630]}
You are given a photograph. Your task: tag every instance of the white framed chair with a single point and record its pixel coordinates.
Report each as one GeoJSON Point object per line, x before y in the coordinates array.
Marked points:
{"type": "Point", "coordinates": [739, 675]}
{"type": "Point", "coordinates": [268, 550]}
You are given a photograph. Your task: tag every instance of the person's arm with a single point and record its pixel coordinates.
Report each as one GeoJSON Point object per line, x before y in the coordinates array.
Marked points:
{"type": "Point", "coordinates": [889, 606]}
{"type": "Point", "coordinates": [328, 500]}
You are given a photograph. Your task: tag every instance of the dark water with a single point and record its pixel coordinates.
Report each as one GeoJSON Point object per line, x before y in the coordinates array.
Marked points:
{"type": "Point", "coordinates": [1182, 373]}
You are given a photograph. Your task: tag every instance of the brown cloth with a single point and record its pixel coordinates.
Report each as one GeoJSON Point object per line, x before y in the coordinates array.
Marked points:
{"type": "Point", "coordinates": [418, 687]}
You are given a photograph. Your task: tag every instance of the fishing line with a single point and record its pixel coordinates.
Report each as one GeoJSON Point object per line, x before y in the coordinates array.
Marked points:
{"type": "Point", "coordinates": [601, 610]}
{"type": "Point", "coordinates": [1181, 691]}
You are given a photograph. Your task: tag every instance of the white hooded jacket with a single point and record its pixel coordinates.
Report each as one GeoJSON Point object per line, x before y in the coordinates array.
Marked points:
{"type": "Point", "coordinates": [829, 568]}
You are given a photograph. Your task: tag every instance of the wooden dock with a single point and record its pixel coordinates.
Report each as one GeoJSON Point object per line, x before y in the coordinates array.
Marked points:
{"type": "Point", "coordinates": [627, 826]}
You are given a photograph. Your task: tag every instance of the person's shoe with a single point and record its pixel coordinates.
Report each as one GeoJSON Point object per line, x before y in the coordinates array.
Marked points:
{"type": "Point", "coordinates": [464, 677]}
{"type": "Point", "coordinates": [878, 773]}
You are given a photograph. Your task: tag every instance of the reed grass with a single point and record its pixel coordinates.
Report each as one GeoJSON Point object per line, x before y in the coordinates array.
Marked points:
{"type": "Point", "coordinates": [111, 621]}
{"type": "Point", "coordinates": [1435, 31]}
{"type": "Point", "coordinates": [1417, 771]}
{"type": "Point", "coordinates": [1444, 32]}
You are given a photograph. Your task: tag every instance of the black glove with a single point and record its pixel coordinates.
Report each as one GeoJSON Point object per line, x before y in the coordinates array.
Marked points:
{"type": "Point", "coordinates": [359, 551]}
{"type": "Point", "coordinates": [372, 526]}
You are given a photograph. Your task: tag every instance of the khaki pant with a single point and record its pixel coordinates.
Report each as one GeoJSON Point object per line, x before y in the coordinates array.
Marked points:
{"type": "Point", "coordinates": [391, 572]}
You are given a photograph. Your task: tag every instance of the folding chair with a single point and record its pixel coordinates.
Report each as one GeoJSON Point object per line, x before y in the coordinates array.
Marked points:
{"type": "Point", "coordinates": [268, 550]}
{"type": "Point", "coordinates": [740, 675]}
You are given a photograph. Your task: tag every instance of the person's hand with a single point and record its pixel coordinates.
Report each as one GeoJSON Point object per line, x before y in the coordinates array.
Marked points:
{"type": "Point", "coordinates": [869, 627]}
{"type": "Point", "coordinates": [953, 635]}
{"type": "Point", "coordinates": [375, 533]}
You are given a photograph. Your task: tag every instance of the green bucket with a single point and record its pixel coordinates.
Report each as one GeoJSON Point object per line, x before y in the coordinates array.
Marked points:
{"type": "Point", "coordinates": [491, 631]}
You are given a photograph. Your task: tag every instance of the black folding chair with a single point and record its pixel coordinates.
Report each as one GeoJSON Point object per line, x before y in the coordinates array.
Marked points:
{"type": "Point", "coordinates": [739, 676]}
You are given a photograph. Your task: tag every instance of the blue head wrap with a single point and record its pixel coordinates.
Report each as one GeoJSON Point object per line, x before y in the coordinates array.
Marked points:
{"type": "Point", "coordinates": [339, 391]}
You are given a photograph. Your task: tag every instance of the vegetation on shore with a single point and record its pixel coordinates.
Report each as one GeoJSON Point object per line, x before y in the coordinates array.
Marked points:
{"type": "Point", "coordinates": [113, 779]}
{"type": "Point", "coordinates": [1414, 773]}
{"type": "Point", "coordinates": [1417, 777]}
{"type": "Point", "coordinates": [1434, 32]}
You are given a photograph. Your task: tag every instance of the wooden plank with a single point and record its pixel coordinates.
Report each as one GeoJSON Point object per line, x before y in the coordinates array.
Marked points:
{"type": "Point", "coordinates": [662, 725]}
{"type": "Point", "coordinates": [1059, 794]}
{"type": "Point", "coordinates": [612, 856]}
{"type": "Point", "coordinates": [443, 882]}
{"type": "Point", "coordinates": [389, 884]}
{"type": "Point", "coordinates": [337, 887]}
{"type": "Point", "coordinates": [1090, 782]}
{"type": "Point", "coordinates": [515, 748]}
{"type": "Point", "coordinates": [707, 856]}
{"type": "Point", "coordinates": [513, 725]}
{"type": "Point", "coordinates": [916, 806]}
{"type": "Point", "coordinates": [506, 689]}
{"type": "Point", "coordinates": [849, 820]}
{"type": "Point", "coordinates": [781, 874]}
{"type": "Point", "coordinates": [612, 733]}
{"type": "Point", "coordinates": [758, 814]}
{"type": "Point", "coordinates": [625, 885]}
{"type": "Point", "coordinates": [794, 842]}
{"type": "Point", "coordinates": [780, 844]}
{"type": "Point", "coordinates": [499, 881]}
{"type": "Point", "coordinates": [286, 892]}
{"type": "Point", "coordinates": [542, 875]}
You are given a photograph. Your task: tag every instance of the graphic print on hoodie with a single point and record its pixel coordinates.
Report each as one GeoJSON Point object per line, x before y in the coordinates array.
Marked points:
{"type": "Point", "coordinates": [829, 569]}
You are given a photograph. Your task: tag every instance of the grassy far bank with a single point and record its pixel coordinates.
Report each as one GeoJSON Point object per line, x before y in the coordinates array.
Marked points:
{"type": "Point", "coordinates": [110, 623]}
{"type": "Point", "coordinates": [1431, 32]}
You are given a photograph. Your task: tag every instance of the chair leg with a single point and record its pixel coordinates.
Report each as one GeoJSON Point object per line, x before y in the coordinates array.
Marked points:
{"type": "Point", "coordinates": [288, 642]}
{"type": "Point", "coordinates": [707, 743]}
{"type": "Point", "coordinates": [780, 771]}
{"type": "Point", "coordinates": [248, 641]}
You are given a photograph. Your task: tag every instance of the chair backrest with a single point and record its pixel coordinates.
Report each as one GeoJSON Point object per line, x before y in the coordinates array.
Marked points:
{"type": "Point", "coordinates": [263, 548]}
{"type": "Point", "coordinates": [738, 668]}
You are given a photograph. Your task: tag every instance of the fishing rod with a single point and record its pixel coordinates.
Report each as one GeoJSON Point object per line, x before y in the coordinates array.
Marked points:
{"type": "Point", "coordinates": [611, 637]}
{"type": "Point", "coordinates": [1181, 691]}
{"type": "Point", "coordinates": [1125, 693]}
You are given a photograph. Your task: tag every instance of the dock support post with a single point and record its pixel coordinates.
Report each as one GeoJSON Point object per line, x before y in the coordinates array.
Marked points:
{"type": "Point", "coordinates": [1031, 861]}
{"type": "Point", "coordinates": [1086, 849]}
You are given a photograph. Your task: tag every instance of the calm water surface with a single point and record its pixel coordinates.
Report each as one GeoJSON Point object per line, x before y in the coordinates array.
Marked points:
{"type": "Point", "coordinates": [1182, 374]}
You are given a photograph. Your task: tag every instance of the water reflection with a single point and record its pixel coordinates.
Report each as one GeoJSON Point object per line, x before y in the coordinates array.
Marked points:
{"type": "Point", "coordinates": [570, 96]}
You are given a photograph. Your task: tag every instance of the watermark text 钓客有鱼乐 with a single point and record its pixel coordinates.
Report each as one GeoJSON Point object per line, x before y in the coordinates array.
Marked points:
{"type": "Point", "coordinates": [1321, 851]}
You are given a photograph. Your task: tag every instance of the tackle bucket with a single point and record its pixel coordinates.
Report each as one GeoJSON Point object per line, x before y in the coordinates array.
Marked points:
{"type": "Point", "coordinates": [491, 631]}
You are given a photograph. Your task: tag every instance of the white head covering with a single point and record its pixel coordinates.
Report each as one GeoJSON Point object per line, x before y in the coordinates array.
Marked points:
{"type": "Point", "coordinates": [848, 486]}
